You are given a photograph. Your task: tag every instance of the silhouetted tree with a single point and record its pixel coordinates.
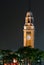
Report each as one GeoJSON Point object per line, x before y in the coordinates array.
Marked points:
{"type": "Point", "coordinates": [30, 54]}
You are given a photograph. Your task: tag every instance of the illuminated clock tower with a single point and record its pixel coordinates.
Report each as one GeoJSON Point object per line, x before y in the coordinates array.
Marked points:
{"type": "Point", "coordinates": [28, 31]}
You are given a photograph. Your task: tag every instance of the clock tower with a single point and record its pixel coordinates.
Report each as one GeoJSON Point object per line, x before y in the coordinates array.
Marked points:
{"type": "Point", "coordinates": [28, 31]}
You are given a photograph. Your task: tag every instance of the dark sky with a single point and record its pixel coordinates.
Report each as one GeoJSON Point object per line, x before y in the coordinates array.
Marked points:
{"type": "Point", "coordinates": [37, 7]}
{"type": "Point", "coordinates": [12, 16]}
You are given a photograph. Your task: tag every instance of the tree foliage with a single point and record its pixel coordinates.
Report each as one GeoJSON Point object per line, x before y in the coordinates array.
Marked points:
{"type": "Point", "coordinates": [30, 53]}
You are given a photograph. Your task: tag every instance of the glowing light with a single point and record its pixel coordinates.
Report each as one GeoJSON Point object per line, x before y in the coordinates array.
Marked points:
{"type": "Point", "coordinates": [28, 37]}
{"type": "Point", "coordinates": [14, 60]}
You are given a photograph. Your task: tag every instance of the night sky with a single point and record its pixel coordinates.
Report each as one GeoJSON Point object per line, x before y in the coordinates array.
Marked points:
{"type": "Point", "coordinates": [12, 19]}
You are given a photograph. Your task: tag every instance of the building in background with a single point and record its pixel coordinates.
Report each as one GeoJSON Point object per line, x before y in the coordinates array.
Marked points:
{"type": "Point", "coordinates": [28, 30]}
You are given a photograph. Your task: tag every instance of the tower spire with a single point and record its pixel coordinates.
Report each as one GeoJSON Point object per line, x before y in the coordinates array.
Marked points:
{"type": "Point", "coordinates": [28, 18]}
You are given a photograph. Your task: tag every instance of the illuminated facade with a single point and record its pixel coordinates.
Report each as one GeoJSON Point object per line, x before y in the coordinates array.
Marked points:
{"type": "Point", "coordinates": [28, 31]}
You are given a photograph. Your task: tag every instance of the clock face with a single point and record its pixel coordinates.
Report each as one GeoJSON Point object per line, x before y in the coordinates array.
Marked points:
{"type": "Point", "coordinates": [28, 37]}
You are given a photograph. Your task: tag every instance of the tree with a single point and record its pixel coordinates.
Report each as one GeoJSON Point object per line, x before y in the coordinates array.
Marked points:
{"type": "Point", "coordinates": [4, 55]}
{"type": "Point", "coordinates": [30, 54]}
